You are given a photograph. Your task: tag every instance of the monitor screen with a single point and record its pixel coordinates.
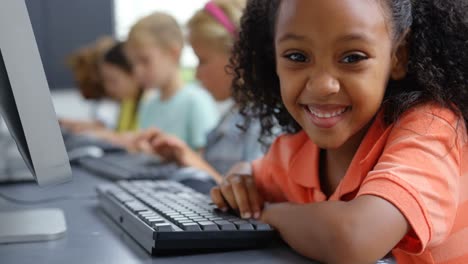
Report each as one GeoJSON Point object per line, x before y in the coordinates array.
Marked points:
{"type": "Point", "coordinates": [25, 101]}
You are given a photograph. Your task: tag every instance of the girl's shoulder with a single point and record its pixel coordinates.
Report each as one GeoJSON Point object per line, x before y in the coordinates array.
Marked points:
{"type": "Point", "coordinates": [430, 122]}
{"type": "Point", "coordinates": [430, 116]}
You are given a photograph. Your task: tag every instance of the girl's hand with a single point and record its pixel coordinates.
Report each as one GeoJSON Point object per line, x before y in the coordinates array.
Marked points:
{"type": "Point", "coordinates": [144, 138]}
{"type": "Point", "coordinates": [238, 191]}
{"type": "Point", "coordinates": [171, 148]}
{"type": "Point", "coordinates": [168, 147]}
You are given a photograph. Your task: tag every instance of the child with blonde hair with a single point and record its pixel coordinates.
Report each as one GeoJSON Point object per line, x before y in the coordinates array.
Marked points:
{"type": "Point", "coordinates": [154, 48]}
{"type": "Point", "coordinates": [212, 33]}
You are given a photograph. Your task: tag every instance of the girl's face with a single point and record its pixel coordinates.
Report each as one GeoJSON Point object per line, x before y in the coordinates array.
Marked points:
{"type": "Point", "coordinates": [211, 70]}
{"type": "Point", "coordinates": [118, 84]}
{"type": "Point", "coordinates": [153, 66]}
{"type": "Point", "coordinates": [333, 59]}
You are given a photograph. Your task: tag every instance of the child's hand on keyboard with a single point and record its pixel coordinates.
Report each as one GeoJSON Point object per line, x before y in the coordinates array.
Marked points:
{"type": "Point", "coordinates": [172, 149]}
{"type": "Point", "coordinates": [155, 142]}
{"type": "Point", "coordinates": [238, 191]}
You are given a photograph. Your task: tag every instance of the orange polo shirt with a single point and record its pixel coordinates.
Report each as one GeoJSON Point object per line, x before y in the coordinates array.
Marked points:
{"type": "Point", "coordinates": [419, 164]}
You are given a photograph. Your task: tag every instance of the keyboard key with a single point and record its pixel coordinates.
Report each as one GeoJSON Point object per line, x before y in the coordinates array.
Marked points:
{"type": "Point", "coordinates": [208, 226]}
{"type": "Point", "coordinates": [208, 215]}
{"type": "Point", "coordinates": [225, 225]}
{"type": "Point", "coordinates": [136, 206]}
{"type": "Point", "coordinates": [244, 225]}
{"type": "Point", "coordinates": [146, 213]}
{"type": "Point", "coordinates": [190, 226]}
{"type": "Point", "coordinates": [169, 212]}
{"type": "Point", "coordinates": [192, 215]}
{"type": "Point", "coordinates": [153, 217]}
{"type": "Point", "coordinates": [145, 216]}
{"type": "Point", "coordinates": [153, 221]}
{"type": "Point", "coordinates": [163, 227]}
{"type": "Point", "coordinates": [173, 216]}
{"type": "Point", "coordinates": [181, 218]}
{"type": "Point", "coordinates": [185, 221]}
{"type": "Point", "coordinates": [260, 225]}
{"type": "Point", "coordinates": [199, 219]}
{"type": "Point", "coordinates": [233, 218]}
{"type": "Point", "coordinates": [265, 227]}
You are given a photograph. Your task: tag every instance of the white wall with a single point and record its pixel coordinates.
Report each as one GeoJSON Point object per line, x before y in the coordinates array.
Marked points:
{"type": "Point", "coordinates": [127, 12]}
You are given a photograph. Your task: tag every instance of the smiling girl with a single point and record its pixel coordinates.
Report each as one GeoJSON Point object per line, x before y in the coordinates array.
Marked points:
{"type": "Point", "coordinates": [373, 97]}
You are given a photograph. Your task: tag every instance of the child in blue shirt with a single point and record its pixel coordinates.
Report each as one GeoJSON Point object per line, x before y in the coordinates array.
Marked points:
{"type": "Point", "coordinates": [212, 32]}
{"type": "Point", "coordinates": [154, 48]}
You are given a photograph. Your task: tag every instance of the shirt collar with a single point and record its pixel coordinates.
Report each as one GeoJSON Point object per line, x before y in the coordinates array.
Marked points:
{"type": "Point", "coordinates": [365, 158]}
{"type": "Point", "coordinates": [304, 168]}
{"type": "Point", "coordinates": [305, 164]}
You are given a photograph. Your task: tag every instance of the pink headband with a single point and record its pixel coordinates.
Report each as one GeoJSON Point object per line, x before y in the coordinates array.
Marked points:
{"type": "Point", "coordinates": [221, 17]}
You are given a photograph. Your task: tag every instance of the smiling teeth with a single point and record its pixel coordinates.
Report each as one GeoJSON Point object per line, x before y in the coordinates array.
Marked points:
{"type": "Point", "coordinates": [327, 115]}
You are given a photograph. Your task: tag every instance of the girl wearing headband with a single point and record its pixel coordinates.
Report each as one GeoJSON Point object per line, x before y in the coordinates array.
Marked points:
{"type": "Point", "coordinates": [212, 32]}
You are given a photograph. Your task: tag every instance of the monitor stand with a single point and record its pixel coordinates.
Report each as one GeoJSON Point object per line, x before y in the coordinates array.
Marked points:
{"type": "Point", "coordinates": [32, 225]}
{"type": "Point", "coordinates": [12, 166]}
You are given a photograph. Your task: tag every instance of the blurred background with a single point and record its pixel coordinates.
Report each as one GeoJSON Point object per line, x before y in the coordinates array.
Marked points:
{"type": "Point", "coordinates": [62, 27]}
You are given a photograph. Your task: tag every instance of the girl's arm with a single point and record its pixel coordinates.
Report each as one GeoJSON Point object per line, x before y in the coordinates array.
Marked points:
{"type": "Point", "coordinates": [360, 231]}
{"type": "Point", "coordinates": [170, 148]}
{"type": "Point", "coordinates": [124, 139]}
{"type": "Point", "coordinates": [363, 230]}
{"type": "Point", "coordinates": [80, 126]}
{"type": "Point", "coordinates": [194, 159]}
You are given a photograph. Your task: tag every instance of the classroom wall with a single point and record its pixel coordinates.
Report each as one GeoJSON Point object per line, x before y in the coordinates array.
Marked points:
{"type": "Point", "coordinates": [62, 26]}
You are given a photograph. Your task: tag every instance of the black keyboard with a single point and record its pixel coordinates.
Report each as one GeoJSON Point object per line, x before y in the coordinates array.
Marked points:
{"type": "Point", "coordinates": [168, 217]}
{"type": "Point", "coordinates": [125, 166]}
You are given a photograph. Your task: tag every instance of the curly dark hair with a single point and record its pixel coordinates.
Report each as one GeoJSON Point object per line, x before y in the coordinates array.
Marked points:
{"type": "Point", "coordinates": [437, 68]}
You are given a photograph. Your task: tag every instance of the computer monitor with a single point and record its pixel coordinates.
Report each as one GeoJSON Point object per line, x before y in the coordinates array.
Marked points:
{"type": "Point", "coordinates": [27, 109]}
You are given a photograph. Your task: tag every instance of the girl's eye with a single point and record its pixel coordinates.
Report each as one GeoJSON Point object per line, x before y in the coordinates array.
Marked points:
{"type": "Point", "coordinates": [296, 57]}
{"type": "Point", "coordinates": [354, 58]}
